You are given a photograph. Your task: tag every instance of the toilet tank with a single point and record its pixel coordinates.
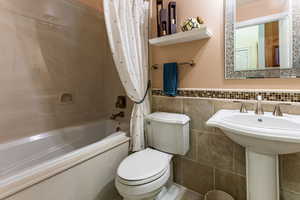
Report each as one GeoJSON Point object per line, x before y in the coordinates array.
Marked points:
{"type": "Point", "coordinates": [168, 132]}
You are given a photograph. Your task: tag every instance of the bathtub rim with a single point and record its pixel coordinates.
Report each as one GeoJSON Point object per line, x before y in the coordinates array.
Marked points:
{"type": "Point", "coordinates": [50, 133]}
{"type": "Point", "coordinates": [29, 177]}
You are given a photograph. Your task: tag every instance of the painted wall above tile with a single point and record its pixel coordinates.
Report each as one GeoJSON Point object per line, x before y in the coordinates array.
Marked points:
{"type": "Point", "coordinates": [209, 55]}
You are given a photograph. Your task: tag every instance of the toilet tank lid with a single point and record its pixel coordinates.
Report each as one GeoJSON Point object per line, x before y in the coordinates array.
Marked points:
{"type": "Point", "coordinates": [165, 117]}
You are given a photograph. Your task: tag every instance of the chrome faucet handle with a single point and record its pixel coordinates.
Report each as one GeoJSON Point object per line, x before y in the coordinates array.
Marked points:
{"type": "Point", "coordinates": [115, 116]}
{"type": "Point", "coordinates": [277, 110]}
{"type": "Point", "coordinates": [259, 109]}
{"type": "Point", "coordinates": [243, 108]}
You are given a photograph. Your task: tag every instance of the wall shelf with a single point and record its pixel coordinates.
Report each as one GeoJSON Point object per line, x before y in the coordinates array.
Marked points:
{"type": "Point", "coordinates": [181, 37]}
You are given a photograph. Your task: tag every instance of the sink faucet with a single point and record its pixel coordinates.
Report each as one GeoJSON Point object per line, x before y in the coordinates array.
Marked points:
{"type": "Point", "coordinates": [243, 108]}
{"type": "Point", "coordinates": [259, 109]}
{"type": "Point", "coordinates": [277, 111]}
{"type": "Point", "coordinates": [115, 116]}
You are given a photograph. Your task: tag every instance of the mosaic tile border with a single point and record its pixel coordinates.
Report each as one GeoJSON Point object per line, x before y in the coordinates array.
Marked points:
{"type": "Point", "coordinates": [293, 72]}
{"type": "Point", "coordinates": [268, 95]}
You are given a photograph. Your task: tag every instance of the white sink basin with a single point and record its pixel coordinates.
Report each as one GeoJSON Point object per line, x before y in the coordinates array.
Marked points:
{"type": "Point", "coordinates": [260, 133]}
{"type": "Point", "coordinates": [264, 136]}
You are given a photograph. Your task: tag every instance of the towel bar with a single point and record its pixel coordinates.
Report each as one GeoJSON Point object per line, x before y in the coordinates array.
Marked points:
{"type": "Point", "coordinates": [191, 63]}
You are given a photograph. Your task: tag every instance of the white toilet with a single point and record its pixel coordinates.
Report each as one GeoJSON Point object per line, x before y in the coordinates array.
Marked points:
{"type": "Point", "coordinates": [142, 175]}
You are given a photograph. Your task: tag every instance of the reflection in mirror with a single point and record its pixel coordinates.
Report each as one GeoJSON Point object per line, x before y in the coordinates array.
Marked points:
{"type": "Point", "coordinates": [262, 35]}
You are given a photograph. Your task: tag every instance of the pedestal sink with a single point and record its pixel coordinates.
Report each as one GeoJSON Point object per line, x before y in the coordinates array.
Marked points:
{"type": "Point", "coordinates": [264, 137]}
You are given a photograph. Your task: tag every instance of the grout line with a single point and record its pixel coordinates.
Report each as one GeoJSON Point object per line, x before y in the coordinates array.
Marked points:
{"type": "Point", "coordinates": [214, 178]}
{"type": "Point", "coordinates": [289, 191]}
{"type": "Point", "coordinates": [225, 99]}
{"type": "Point", "coordinates": [237, 90]}
{"type": "Point", "coordinates": [233, 157]}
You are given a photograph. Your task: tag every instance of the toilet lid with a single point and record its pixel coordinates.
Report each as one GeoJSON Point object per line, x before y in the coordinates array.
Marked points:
{"type": "Point", "coordinates": [143, 165]}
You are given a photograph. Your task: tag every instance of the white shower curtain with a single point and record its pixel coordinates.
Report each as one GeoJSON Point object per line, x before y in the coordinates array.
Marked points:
{"type": "Point", "coordinates": [127, 29]}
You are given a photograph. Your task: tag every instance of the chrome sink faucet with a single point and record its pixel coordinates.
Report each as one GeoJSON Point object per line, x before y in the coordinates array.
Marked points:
{"type": "Point", "coordinates": [259, 109]}
{"type": "Point", "coordinates": [277, 110]}
{"type": "Point", "coordinates": [243, 108]}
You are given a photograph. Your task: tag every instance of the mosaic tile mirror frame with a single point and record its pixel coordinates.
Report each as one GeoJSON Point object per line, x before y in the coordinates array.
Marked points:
{"type": "Point", "coordinates": [292, 71]}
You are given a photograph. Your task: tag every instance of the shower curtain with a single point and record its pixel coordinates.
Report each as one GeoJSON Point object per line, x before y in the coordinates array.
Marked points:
{"type": "Point", "coordinates": [127, 29]}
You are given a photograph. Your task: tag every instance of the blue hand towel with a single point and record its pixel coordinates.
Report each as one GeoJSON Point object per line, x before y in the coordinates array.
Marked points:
{"type": "Point", "coordinates": [170, 79]}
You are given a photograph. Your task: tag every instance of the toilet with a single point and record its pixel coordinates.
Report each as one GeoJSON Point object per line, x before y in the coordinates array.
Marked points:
{"type": "Point", "coordinates": [143, 175]}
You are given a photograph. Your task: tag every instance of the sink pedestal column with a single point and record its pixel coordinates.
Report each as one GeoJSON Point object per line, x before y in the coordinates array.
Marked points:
{"type": "Point", "coordinates": [262, 176]}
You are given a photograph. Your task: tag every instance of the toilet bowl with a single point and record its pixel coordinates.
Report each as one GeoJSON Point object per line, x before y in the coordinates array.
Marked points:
{"type": "Point", "coordinates": [143, 175]}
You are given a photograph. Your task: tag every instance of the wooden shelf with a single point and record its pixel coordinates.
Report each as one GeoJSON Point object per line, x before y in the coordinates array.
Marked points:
{"type": "Point", "coordinates": [188, 36]}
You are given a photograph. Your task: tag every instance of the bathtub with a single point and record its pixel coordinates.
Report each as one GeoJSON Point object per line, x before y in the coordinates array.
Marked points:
{"type": "Point", "coordinates": [74, 163]}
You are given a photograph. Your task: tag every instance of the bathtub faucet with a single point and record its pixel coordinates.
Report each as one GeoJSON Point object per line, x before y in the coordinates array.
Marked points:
{"type": "Point", "coordinates": [115, 116]}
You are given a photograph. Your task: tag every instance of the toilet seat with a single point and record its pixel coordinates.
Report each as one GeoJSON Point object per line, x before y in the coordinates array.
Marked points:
{"type": "Point", "coordinates": [143, 167]}
{"type": "Point", "coordinates": [143, 191]}
{"type": "Point", "coordinates": [143, 181]}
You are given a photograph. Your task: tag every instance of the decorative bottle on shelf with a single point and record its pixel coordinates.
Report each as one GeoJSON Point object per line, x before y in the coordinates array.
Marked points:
{"type": "Point", "coordinates": [164, 22]}
{"type": "Point", "coordinates": [159, 7]}
{"type": "Point", "coordinates": [172, 17]}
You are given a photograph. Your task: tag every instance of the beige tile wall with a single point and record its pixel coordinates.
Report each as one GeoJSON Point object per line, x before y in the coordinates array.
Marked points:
{"type": "Point", "coordinates": [216, 162]}
{"type": "Point", "coordinates": [49, 47]}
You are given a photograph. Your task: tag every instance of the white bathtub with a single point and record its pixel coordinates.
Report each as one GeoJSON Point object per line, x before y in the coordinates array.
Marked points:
{"type": "Point", "coordinates": [75, 163]}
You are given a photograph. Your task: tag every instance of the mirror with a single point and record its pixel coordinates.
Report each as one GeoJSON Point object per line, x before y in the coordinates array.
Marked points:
{"type": "Point", "coordinates": [262, 34]}
{"type": "Point", "coordinates": [259, 37]}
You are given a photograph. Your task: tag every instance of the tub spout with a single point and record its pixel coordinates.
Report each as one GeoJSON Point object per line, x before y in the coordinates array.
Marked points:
{"type": "Point", "coordinates": [115, 116]}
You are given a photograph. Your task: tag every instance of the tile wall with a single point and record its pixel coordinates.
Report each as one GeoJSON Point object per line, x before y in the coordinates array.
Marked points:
{"type": "Point", "coordinates": [49, 47]}
{"type": "Point", "coordinates": [216, 162]}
